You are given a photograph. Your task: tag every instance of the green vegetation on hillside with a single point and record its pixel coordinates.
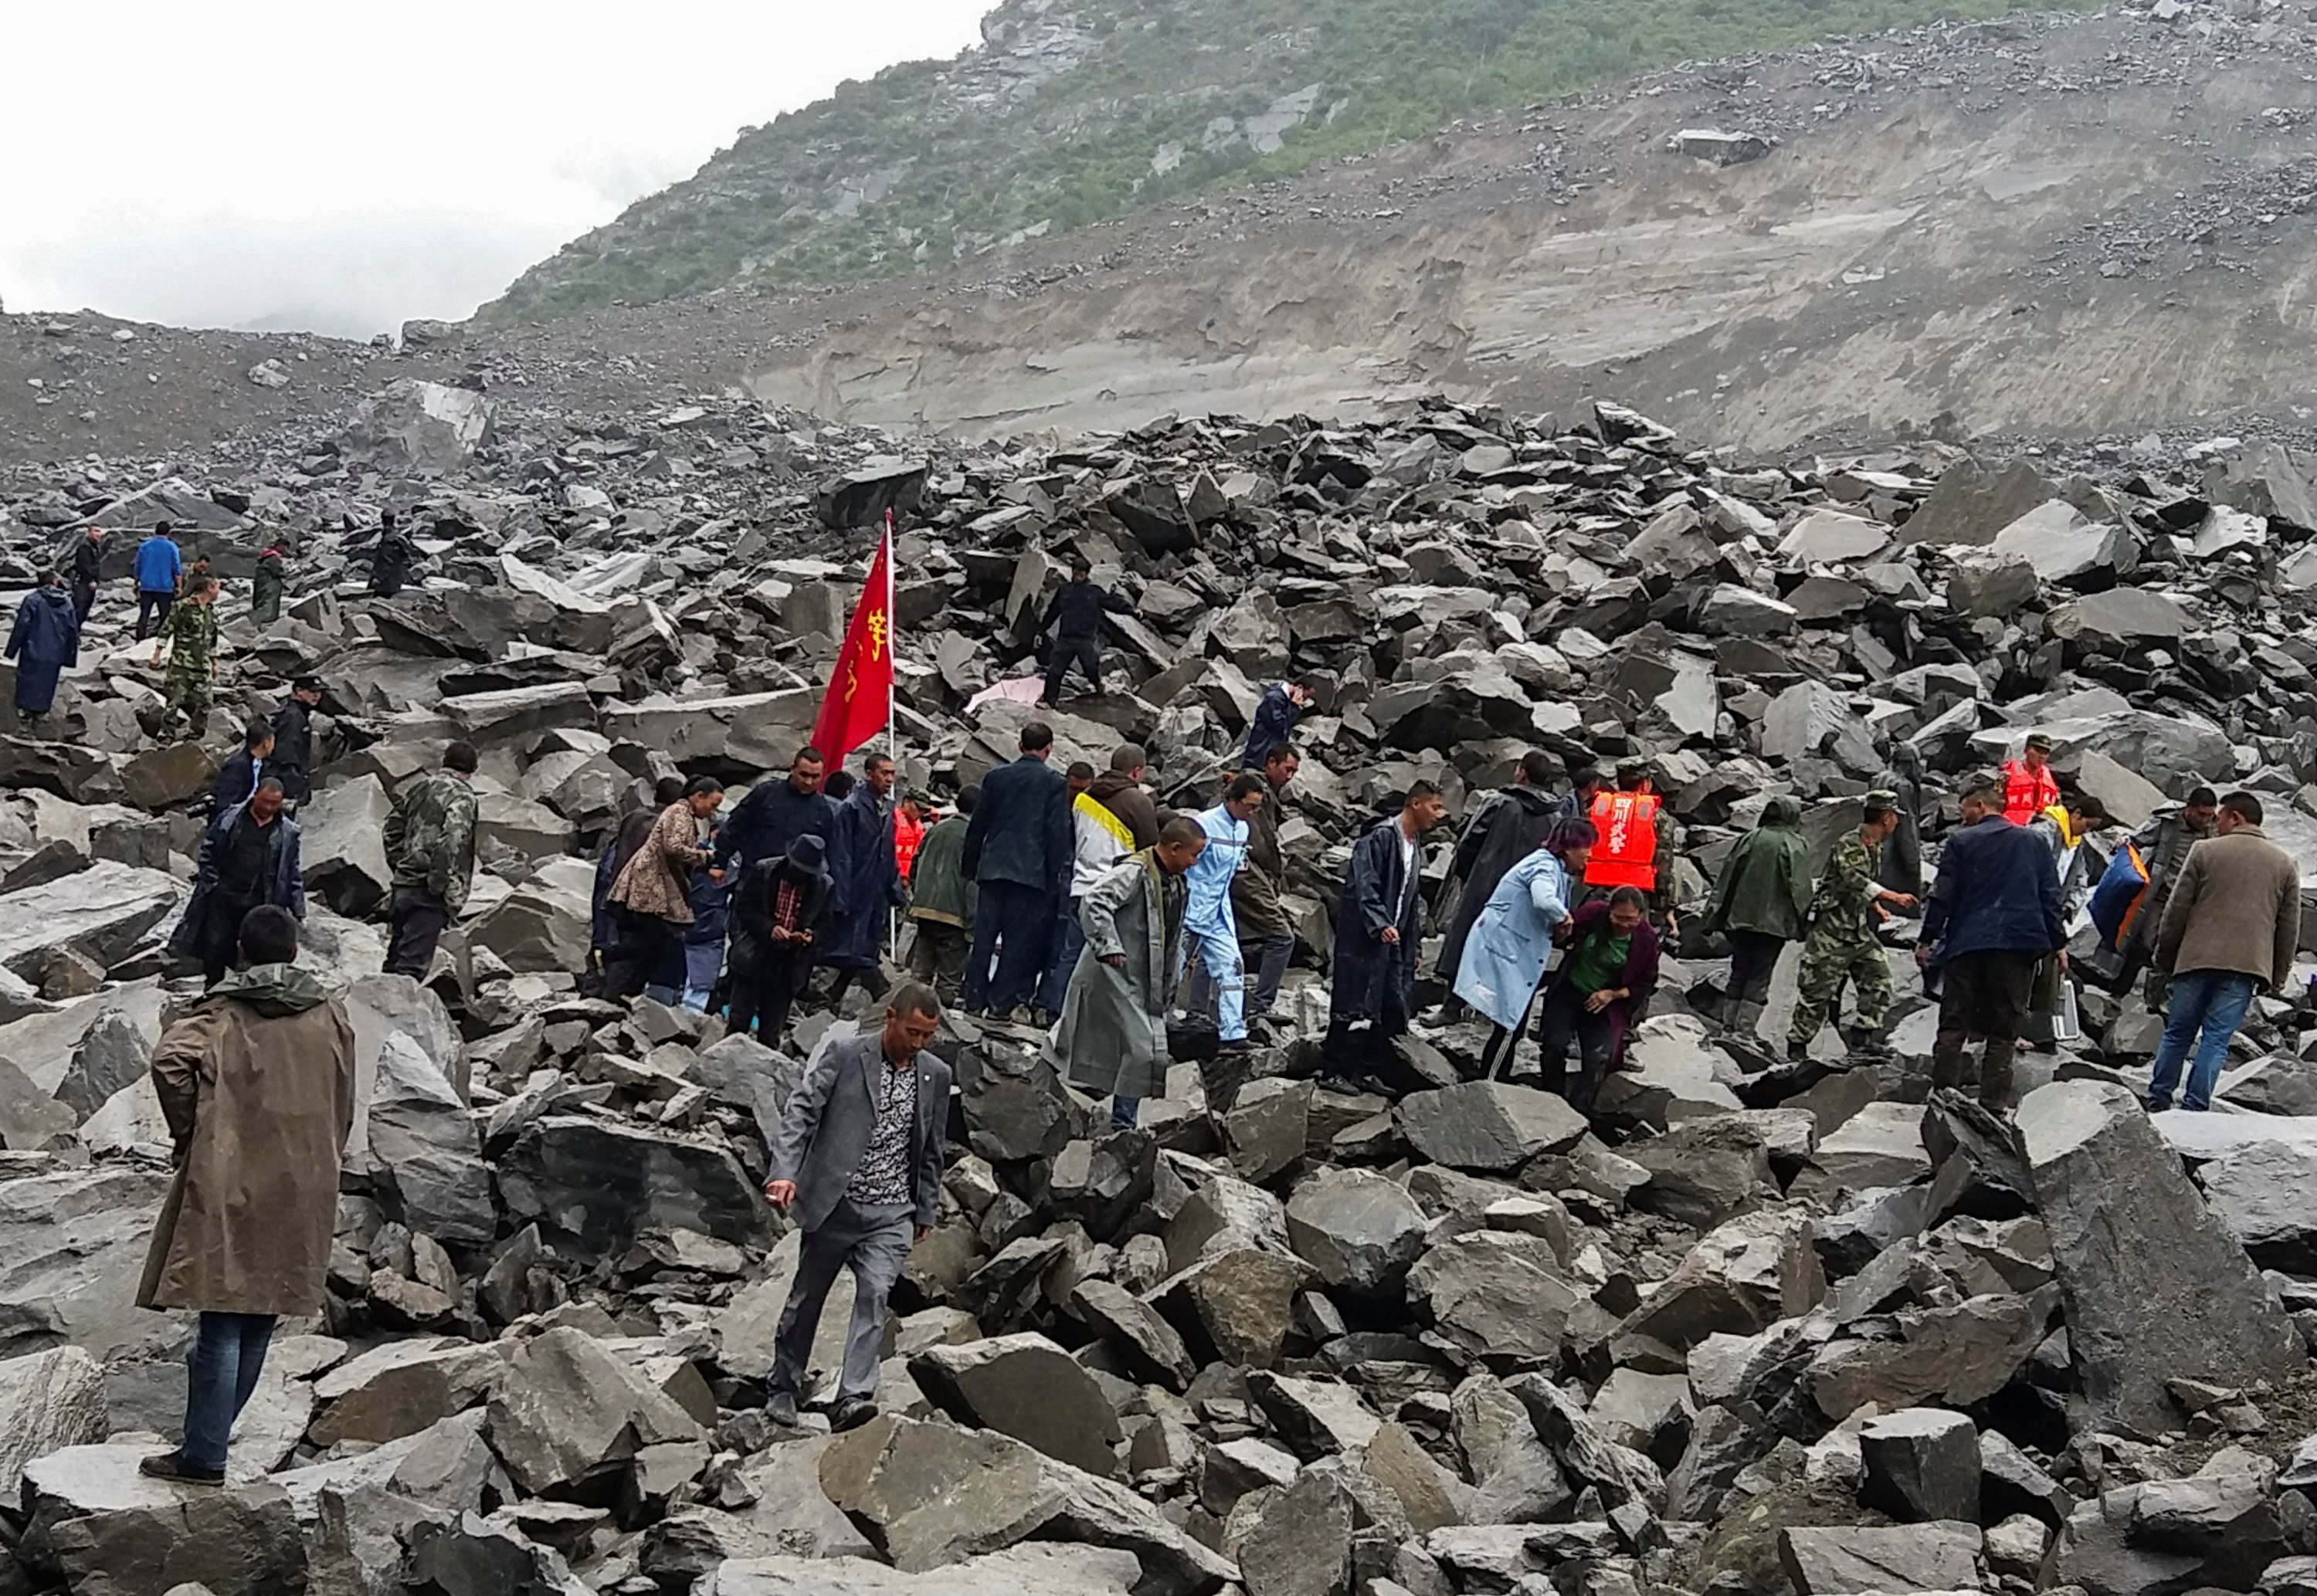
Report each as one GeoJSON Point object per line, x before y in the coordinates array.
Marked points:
{"type": "Point", "coordinates": [938, 171]}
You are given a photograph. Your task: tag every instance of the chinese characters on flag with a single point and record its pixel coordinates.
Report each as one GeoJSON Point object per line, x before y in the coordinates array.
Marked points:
{"type": "Point", "coordinates": [859, 699]}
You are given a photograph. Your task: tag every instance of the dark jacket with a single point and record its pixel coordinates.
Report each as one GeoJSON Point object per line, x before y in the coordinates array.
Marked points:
{"type": "Point", "coordinates": [45, 639]}
{"type": "Point", "coordinates": [1131, 802]}
{"type": "Point", "coordinates": [1276, 715]}
{"type": "Point", "coordinates": [237, 777]}
{"type": "Point", "coordinates": [1765, 885]}
{"type": "Point", "coordinates": [1371, 979]}
{"type": "Point", "coordinates": [293, 750]}
{"type": "Point", "coordinates": [865, 881]}
{"type": "Point", "coordinates": [826, 1128]}
{"type": "Point", "coordinates": [614, 859]}
{"type": "Point", "coordinates": [389, 565]}
{"type": "Point", "coordinates": [1255, 890]}
{"type": "Point", "coordinates": [939, 889]}
{"type": "Point", "coordinates": [773, 815]}
{"type": "Point", "coordinates": [755, 898]}
{"type": "Point", "coordinates": [1021, 829]}
{"type": "Point", "coordinates": [1077, 609]}
{"type": "Point", "coordinates": [1903, 853]}
{"type": "Point", "coordinates": [1995, 891]}
{"type": "Point", "coordinates": [2163, 843]}
{"type": "Point", "coordinates": [1639, 979]}
{"type": "Point", "coordinates": [1506, 830]}
{"type": "Point", "coordinates": [88, 564]}
{"type": "Point", "coordinates": [265, 587]}
{"type": "Point", "coordinates": [285, 872]}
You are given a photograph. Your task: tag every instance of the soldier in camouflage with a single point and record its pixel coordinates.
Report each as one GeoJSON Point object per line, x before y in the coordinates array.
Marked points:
{"type": "Point", "coordinates": [190, 635]}
{"type": "Point", "coordinates": [1842, 944]}
{"type": "Point", "coordinates": [430, 846]}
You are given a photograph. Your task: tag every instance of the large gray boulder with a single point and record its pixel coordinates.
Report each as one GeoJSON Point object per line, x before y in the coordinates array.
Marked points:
{"type": "Point", "coordinates": [48, 1400]}
{"type": "Point", "coordinates": [598, 1182]}
{"type": "Point", "coordinates": [2155, 1286]}
{"type": "Point", "coordinates": [409, 425]}
{"type": "Point", "coordinates": [96, 1523]}
{"type": "Point", "coordinates": [425, 1144]}
{"type": "Point", "coordinates": [102, 913]}
{"type": "Point", "coordinates": [1025, 1387]}
{"type": "Point", "coordinates": [1488, 1125]}
{"type": "Point", "coordinates": [567, 1410]}
{"type": "Point", "coordinates": [1359, 1229]}
{"type": "Point", "coordinates": [341, 845]}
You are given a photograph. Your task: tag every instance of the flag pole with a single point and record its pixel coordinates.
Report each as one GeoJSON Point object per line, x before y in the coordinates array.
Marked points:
{"type": "Point", "coordinates": [892, 714]}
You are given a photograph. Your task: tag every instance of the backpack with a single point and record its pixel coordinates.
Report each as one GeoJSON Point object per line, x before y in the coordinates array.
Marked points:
{"type": "Point", "coordinates": [2117, 901]}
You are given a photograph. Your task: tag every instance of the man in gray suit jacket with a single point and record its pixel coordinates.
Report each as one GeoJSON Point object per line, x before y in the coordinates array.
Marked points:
{"type": "Point", "coordinates": [858, 1161]}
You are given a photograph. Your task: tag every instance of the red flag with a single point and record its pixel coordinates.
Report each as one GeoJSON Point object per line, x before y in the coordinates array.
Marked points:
{"type": "Point", "coordinates": [859, 699]}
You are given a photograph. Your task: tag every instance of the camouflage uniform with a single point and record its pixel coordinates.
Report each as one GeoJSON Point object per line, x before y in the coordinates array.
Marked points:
{"type": "Point", "coordinates": [430, 836]}
{"type": "Point", "coordinates": [1842, 944]}
{"type": "Point", "coordinates": [191, 634]}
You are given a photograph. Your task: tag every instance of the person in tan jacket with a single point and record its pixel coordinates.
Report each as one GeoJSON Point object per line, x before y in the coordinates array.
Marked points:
{"type": "Point", "coordinates": [257, 1085]}
{"type": "Point", "coordinates": [2230, 929]}
{"type": "Point", "coordinates": [651, 901]}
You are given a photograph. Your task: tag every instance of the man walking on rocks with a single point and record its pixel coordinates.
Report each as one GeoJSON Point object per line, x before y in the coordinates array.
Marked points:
{"type": "Point", "coordinates": [239, 776]}
{"type": "Point", "coordinates": [1099, 839]}
{"type": "Point", "coordinates": [45, 639]}
{"type": "Point", "coordinates": [2163, 845]}
{"type": "Point", "coordinates": [1275, 714]}
{"type": "Point", "coordinates": [1267, 941]}
{"type": "Point", "coordinates": [159, 563]}
{"type": "Point", "coordinates": [858, 1163]}
{"type": "Point", "coordinates": [1112, 1041]}
{"type": "Point", "coordinates": [1018, 850]}
{"type": "Point", "coordinates": [777, 911]}
{"type": "Point", "coordinates": [775, 814]}
{"type": "Point", "coordinates": [865, 879]}
{"type": "Point", "coordinates": [1209, 930]}
{"type": "Point", "coordinates": [1073, 624]}
{"type": "Point", "coordinates": [1377, 927]}
{"type": "Point", "coordinates": [430, 846]}
{"type": "Point", "coordinates": [1119, 790]}
{"type": "Point", "coordinates": [87, 572]}
{"type": "Point", "coordinates": [1636, 846]}
{"type": "Point", "coordinates": [1843, 945]}
{"type": "Point", "coordinates": [2029, 787]}
{"type": "Point", "coordinates": [1506, 829]}
{"type": "Point", "coordinates": [190, 686]}
{"type": "Point", "coordinates": [249, 857]}
{"type": "Point", "coordinates": [2230, 930]}
{"type": "Point", "coordinates": [257, 1086]}
{"type": "Point", "coordinates": [942, 901]}
{"type": "Point", "coordinates": [293, 739]}
{"type": "Point", "coordinates": [1994, 915]}
{"type": "Point", "coordinates": [1761, 901]}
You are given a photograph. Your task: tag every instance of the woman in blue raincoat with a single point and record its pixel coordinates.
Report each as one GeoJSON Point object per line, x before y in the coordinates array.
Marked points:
{"type": "Point", "coordinates": [1505, 957]}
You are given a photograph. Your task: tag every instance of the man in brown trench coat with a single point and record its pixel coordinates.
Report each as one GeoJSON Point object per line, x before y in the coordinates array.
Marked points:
{"type": "Point", "coordinates": [258, 1084]}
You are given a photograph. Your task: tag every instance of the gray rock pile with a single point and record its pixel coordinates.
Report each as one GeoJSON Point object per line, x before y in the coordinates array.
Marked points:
{"type": "Point", "coordinates": [1806, 1328]}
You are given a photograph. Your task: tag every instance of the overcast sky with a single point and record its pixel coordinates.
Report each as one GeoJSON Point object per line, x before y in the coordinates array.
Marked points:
{"type": "Point", "coordinates": [339, 168]}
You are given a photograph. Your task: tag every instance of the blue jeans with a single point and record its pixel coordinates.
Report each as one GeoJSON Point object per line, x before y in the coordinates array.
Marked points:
{"type": "Point", "coordinates": [1126, 1112]}
{"type": "Point", "coordinates": [2211, 1001]}
{"type": "Point", "coordinates": [1270, 956]}
{"type": "Point", "coordinates": [228, 1354]}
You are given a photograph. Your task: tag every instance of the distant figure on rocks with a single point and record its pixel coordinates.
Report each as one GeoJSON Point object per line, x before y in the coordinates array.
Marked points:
{"type": "Point", "coordinates": [1210, 928]}
{"type": "Point", "coordinates": [1282, 705]}
{"type": "Point", "coordinates": [1019, 848]}
{"type": "Point", "coordinates": [239, 775]}
{"type": "Point", "coordinates": [1504, 829]}
{"type": "Point", "coordinates": [1378, 924]}
{"type": "Point", "coordinates": [1903, 854]}
{"type": "Point", "coordinates": [775, 814]}
{"type": "Point", "coordinates": [777, 911]}
{"type": "Point", "coordinates": [250, 856]}
{"type": "Point", "coordinates": [159, 563]}
{"type": "Point", "coordinates": [1607, 974]}
{"type": "Point", "coordinates": [1993, 916]}
{"type": "Point", "coordinates": [858, 1165]}
{"type": "Point", "coordinates": [293, 739]}
{"type": "Point", "coordinates": [1266, 940]}
{"type": "Point", "coordinates": [865, 877]}
{"type": "Point", "coordinates": [1112, 1041]}
{"type": "Point", "coordinates": [1504, 958]}
{"type": "Point", "coordinates": [1073, 626]}
{"type": "Point", "coordinates": [257, 1086]}
{"type": "Point", "coordinates": [44, 640]}
{"type": "Point", "coordinates": [190, 686]}
{"type": "Point", "coordinates": [942, 898]}
{"type": "Point", "coordinates": [430, 846]}
{"type": "Point", "coordinates": [1851, 902]}
{"type": "Point", "coordinates": [2029, 787]}
{"type": "Point", "coordinates": [266, 587]}
{"type": "Point", "coordinates": [651, 901]}
{"type": "Point", "coordinates": [1761, 901]}
{"type": "Point", "coordinates": [2231, 930]}
{"type": "Point", "coordinates": [87, 571]}
{"type": "Point", "coordinates": [390, 562]}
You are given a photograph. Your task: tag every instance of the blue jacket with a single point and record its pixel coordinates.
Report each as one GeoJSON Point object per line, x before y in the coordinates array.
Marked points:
{"type": "Point", "coordinates": [1996, 891]}
{"type": "Point", "coordinates": [157, 565]}
{"type": "Point", "coordinates": [1021, 829]}
{"type": "Point", "coordinates": [1371, 979]}
{"type": "Point", "coordinates": [45, 639]}
{"type": "Point", "coordinates": [865, 882]}
{"type": "Point", "coordinates": [1504, 958]}
{"type": "Point", "coordinates": [773, 815]}
{"type": "Point", "coordinates": [1207, 887]}
{"type": "Point", "coordinates": [286, 888]}
{"type": "Point", "coordinates": [1274, 722]}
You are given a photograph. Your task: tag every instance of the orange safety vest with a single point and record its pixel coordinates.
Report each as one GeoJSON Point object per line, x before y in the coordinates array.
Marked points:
{"type": "Point", "coordinates": [907, 834]}
{"type": "Point", "coordinates": [2027, 793]}
{"type": "Point", "coordinates": [1625, 847]}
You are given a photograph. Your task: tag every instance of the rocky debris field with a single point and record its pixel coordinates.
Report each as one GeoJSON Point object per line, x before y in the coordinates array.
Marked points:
{"type": "Point", "coordinates": [1754, 1327]}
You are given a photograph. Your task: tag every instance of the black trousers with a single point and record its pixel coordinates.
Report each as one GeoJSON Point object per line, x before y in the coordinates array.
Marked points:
{"type": "Point", "coordinates": [1086, 652]}
{"type": "Point", "coordinates": [872, 980]}
{"type": "Point", "coordinates": [646, 942]}
{"type": "Point", "coordinates": [1753, 956]}
{"type": "Point", "coordinates": [420, 917]}
{"type": "Point", "coordinates": [1983, 995]}
{"type": "Point", "coordinates": [1564, 1021]}
{"type": "Point", "coordinates": [153, 612]}
{"type": "Point", "coordinates": [764, 991]}
{"type": "Point", "coordinates": [1012, 922]}
{"type": "Point", "coordinates": [83, 598]}
{"type": "Point", "coordinates": [222, 937]}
